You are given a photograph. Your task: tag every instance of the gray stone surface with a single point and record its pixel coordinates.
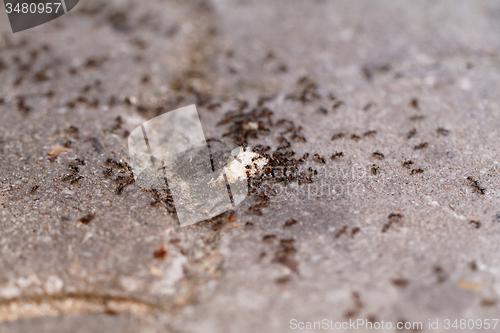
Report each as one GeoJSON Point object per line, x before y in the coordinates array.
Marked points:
{"type": "Point", "coordinates": [76, 256]}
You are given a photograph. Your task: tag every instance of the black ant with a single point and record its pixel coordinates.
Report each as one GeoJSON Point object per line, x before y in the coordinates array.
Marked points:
{"type": "Point", "coordinates": [355, 137]}
{"type": "Point", "coordinates": [378, 155]}
{"type": "Point", "coordinates": [375, 169]}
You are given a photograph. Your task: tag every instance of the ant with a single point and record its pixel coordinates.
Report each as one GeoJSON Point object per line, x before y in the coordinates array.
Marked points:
{"type": "Point", "coordinates": [290, 222]}
{"type": "Point", "coordinates": [375, 169]}
{"type": "Point", "coordinates": [393, 217]}
{"type": "Point", "coordinates": [367, 106]}
{"type": "Point", "coordinates": [337, 104]}
{"type": "Point", "coordinates": [337, 136]}
{"type": "Point", "coordinates": [407, 163]}
{"type": "Point", "coordinates": [378, 155]}
{"type": "Point", "coordinates": [77, 179]}
{"type": "Point", "coordinates": [412, 133]}
{"type": "Point", "coordinates": [476, 224]}
{"type": "Point", "coordinates": [74, 168]}
{"type": "Point", "coordinates": [119, 189]}
{"type": "Point", "coordinates": [255, 210]}
{"type": "Point", "coordinates": [368, 133]}
{"type": "Point", "coordinates": [355, 137]}
{"type": "Point", "coordinates": [419, 170]}
{"type": "Point", "coordinates": [478, 187]}
{"type": "Point", "coordinates": [268, 238]}
{"type": "Point", "coordinates": [34, 189]}
{"type": "Point", "coordinates": [337, 154]}
{"type": "Point", "coordinates": [442, 131]}
{"type": "Point", "coordinates": [87, 219]}
{"type": "Point", "coordinates": [414, 103]}
{"type": "Point", "coordinates": [354, 231]}
{"type": "Point", "coordinates": [323, 110]}
{"type": "Point", "coordinates": [417, 117]}
{"type": "Point", "coordinates": [341, 231]}
{"type": "Point", "coordinates": [320, 158]}
{"type": "Point", "coordinates": [421, 146]}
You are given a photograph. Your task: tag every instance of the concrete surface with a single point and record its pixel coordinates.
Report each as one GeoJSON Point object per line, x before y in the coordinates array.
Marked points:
{"type": "Point", "coordinates": [83, 255]}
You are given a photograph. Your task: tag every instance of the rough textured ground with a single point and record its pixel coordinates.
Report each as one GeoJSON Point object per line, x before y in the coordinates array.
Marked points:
{"type": "Point", "coordinates": [99, 254]}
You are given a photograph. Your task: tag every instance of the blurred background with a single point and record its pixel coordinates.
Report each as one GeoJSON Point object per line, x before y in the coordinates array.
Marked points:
{"type": "Point", "coordinates": [386, 115]}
